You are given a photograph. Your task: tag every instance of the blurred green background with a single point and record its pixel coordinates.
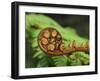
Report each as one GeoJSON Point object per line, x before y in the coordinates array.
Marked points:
{"type": "Point", "coordinates": [71, 27]}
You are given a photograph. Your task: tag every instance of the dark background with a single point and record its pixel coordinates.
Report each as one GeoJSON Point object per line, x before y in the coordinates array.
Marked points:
{"type": "Point", "coordinates": [78, 22]}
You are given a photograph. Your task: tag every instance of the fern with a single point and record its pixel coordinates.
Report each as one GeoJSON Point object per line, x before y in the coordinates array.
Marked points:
{"type": "Point", "coordinates": [34, 24]}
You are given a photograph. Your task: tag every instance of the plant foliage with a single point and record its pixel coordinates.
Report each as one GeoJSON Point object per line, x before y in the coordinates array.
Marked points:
{"type": "Point", "coordinates": [34, 24]}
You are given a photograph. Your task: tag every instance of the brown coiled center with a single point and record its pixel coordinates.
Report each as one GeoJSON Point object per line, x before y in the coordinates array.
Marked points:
{"type": "Point", "coordinates": [50, 41]}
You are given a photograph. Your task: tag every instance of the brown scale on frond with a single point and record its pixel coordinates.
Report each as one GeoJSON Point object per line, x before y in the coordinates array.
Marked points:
{"type": "Point", "coordinates": [51, 42]}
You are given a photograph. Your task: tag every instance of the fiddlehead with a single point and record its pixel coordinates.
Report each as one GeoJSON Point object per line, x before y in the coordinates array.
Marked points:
{"type": "Point", "coordinates": [51, 42]}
